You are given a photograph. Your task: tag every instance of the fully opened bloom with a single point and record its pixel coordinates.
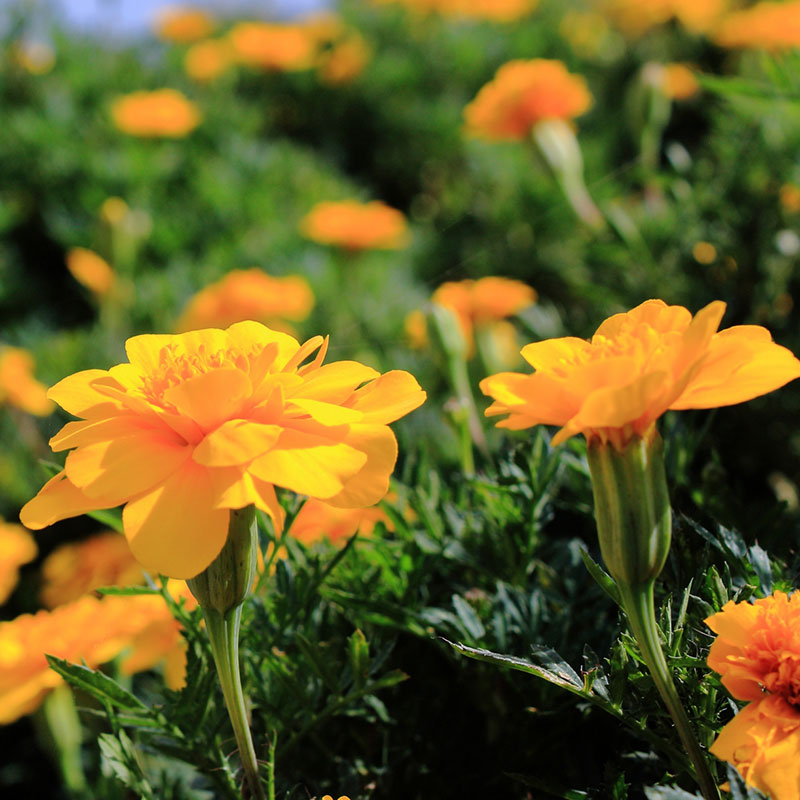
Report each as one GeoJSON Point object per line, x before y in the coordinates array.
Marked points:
{"type": "Point", "coordinates": [211, 420]}
{"type": "Point", "coordinates": [16, 548]}
{"type": "Point", "coordinates": [356, 226]}
{"type": "Point", "coordinates": [161, 113]}
{"type": "Point", "coordinates": [273, 47]}
{"type": "Point", "coordinates": [638, 365]}
{"type": "Point", "coordinates": [757, 653]}
{"type": "Point", "coordinates": [522, 94]}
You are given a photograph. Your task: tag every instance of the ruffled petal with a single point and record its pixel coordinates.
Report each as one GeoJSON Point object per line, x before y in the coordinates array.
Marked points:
{"type": "Point", "coordinates": [235, 442]}
{"type": "Point", "coordinates": [173, 529]}
{"type": "Point", "coordinates": [389, 397]}
{"type": "Point", "coordinates": [212, 397]}
{"type": "Point", "coordinates": [77, 396]}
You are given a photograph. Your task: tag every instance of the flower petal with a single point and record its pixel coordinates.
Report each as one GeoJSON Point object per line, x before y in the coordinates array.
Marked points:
{"type": "Point", "coordinates": [388, 398]}
{"type": "Point", "coordinates": [76, 395]}
{"type": "Point", "coordinates": [334, 383]}
{"type": "Point", "coordinates": [212, 397]}
{"type": "Point", "coordinates": [173, 529]}
{"type": "Point", "coordinates": [235, 442]}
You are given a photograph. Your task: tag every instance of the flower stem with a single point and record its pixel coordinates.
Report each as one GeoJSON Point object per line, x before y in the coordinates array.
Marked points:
{"type": "Point", "coordinates": [223, 632]}
{"type": "Point", "coordinates": [638, 604]}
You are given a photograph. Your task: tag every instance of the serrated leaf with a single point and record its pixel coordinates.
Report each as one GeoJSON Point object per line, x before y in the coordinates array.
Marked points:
{"type": "Point", "coordinates": [95, 683]}
{"type": "Point", "coordinates": [604, 580]}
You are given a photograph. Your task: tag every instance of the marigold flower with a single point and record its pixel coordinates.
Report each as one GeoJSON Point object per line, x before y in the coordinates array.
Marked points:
{"type": "Point", "coordinates": [248, 294]}
{"type": "Point", "coordinates": [203, 422]}
{"type": "Point", "coordinates": [478, 302]}
{"type": "Point", "coordinates": [273, 47]}
{"type": "Point", "coordinates": [635, 17]}
{"type": "Point", "coordinates": [183, 24]}
{"type": "Point", "coordinates": [16, 548]}
{"type": "Point", "coordinates": [638, 365]}
{"type": "Point", "coordinates": [790, 197]}
{"type": "Point", "coordinates": [757, 653]}
{"type": "Point", "coordinates": [90, 270]}
{"type": "Point", "coordinates": [770, 26]}
{"type": "Point", "coordinates": [207, 60]}
{"type": "Point", "coordinates": [493, 10]}
{"type": "Point", "coordinates": [344, 60]}
{"type": "Point", "coordinates": [164, 112]}
{"type": "Point", "coordinates": [522, 94]}
{"type": "Point", "coordinates": [91, 630]}
{"type": "Point", "coordinates": [77, 568]}
{"type": "Point", "coordinates": [18, 387]}
{"type": "Point", "coordinates": [356, 226]}
{"type": "Point", "coordinates": [676, 81]}
{"type": "Point", "coordinates": [318, 520]}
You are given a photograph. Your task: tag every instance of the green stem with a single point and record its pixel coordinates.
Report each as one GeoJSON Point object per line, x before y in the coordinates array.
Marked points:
{"type": "Point", "coordinates": [638, 604]}
{"type": "Point", "coordinates": [223, 632]}
{"type": "Point", "coordinates": [61, 728]}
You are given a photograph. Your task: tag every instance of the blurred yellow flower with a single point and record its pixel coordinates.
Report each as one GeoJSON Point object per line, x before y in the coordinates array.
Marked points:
{"type": "Point", "coordinates": [318, 520]}
{"type": "Point", "coordinates": [207, 60]}
{"type": "Point", "coordinates": [114, 210]}
{"type": "Point", "coordinates": [17, 547]}
{"type": "Point", "coordinates": [163, 112]}
{"type": "Point", "coordinates": [483, 301]}
{"type": "Point", "coordinates": [344, 60]}
{"type": "Point", "coordinates": [585, 31]}
{"type": "Point", "coordinates": [757, 653]}
{"type": "Point", "coordinates": [635, 17]}
{"type": "Point", "coordinates": [677, 81]}
{"type": "Point", "coordinates": [494, 10]}
{"type": "Point", "coordinates": [18, 387]}
{"type": "Point", "coordinates": [416, 329]}
{"type": "Point", "coordinates": [202, 422]}
{"type": "Point", "coordinates": [356, 226]}
{"type": "Point", "coordinates": [91, 630]}
{"type": "Point", "coordinates": [37, 58]}
{"type": "Point", "coordinates": [770, 26]}
{"type": "Point", "coordinates": [522, 94]}
{"type": "Point", "coordinates": [77, 568]}
{"type": "Point", "coordinates": [90, 270]}
{"type": "Point", "coordinates": [790, 197]}
{"type": "Point", "coordinates": [248, 294]}
{"type": "Point", "coordinates": [638, 365]}
{"type": "Point", "coordinates": [182, 24]}
{"type": "Point", "coordinates": [272, 46]}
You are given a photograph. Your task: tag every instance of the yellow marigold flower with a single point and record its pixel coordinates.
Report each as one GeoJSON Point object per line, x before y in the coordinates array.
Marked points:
{"type": "Point", "coordinates": [248, 295]}
{"type": "Point", "coordinates": [478, 302]}
{"type": "Point", "coordinates": [493, 10]}
{"type": "Point", "coordinates": [416, 329]}
{"type": "Point", "coordinates": [344, 60]}
{"type": "Point", "coordinates": [183, 24]}
{"type": "Point", "coordinates": [757, 653]}
{"type": "Point", "coordinates": [677, 81]}
{"type": "Point", "coordinates": [207, 60]}
{"type": "Point", "coordinates": [18, 387]}
{"type": "Point", "coordinates": [16, 548]}
{"type": "Point", "coordinates": [91, 270]}
{"type": "Point", "coordinates": [274, 47]}
{"type": "Point", "coordinates": [635, 17]}
{"type": "Point", "coordinates": [522, 94]}
{"type": "Point", "coordinates": [771, 26]}
{"type": "Point", "coordinates": [318, 520]}
{"type": "Point", "coordinates": [328, 797]}
{"type": "Point", "coordinates": [356, 226]}
{"type": "Point", "coordinates": [164, 112]}
{"type": "Point", "coordinates": [638, 365]}
{"type": "Point", "coordinates": [203, 422]}
{"type": "Point", "coordinates": [77, 568]}
{"type": "Point", "coordinates": [91, 630]}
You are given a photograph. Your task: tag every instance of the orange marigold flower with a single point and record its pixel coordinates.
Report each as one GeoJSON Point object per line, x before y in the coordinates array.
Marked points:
{"type": "Point", "coordinates": [18, 387]}
{"type": "Point", "coordinates": [356, 226]}
{"type": "Point", "coordinates": [770, 26]}
{"type": "Point", "coordinates": [91, 630]}
{"type": "Point", "coordinates": [16, 548]}
{"type": "Point", "coordinates": [202, 422]}
{"type": "Point", "coordinates": [91, 270]}
{"type": "Point", "coordinates": [77, 568]}
{"type": "Point", "coordinates": [494, 10]}
{"type": "Point", "coordinates": [478, 302]}
{"type": "Point", "coordinates": [757, 653]}
{"type": "Point", "coordinates": [164, 112]}
{"type": "Point", "coordinates": [207, 60]}
{"type": "Point", "coordinates": [344, 60]}
{"type": "Point", "coordinates": [183, 24]}
{"type": "Point", "coordinates": [318, 520]}
{"type": "Point", "coordinates": [638, 365]}
{"type": "Point", "coordinates": [248, 294]}
{"type": "Point", "coordinates": [522, 94]}
{"type": "Point", "coordinates": [677, 81]}
{"type": "Point", "coordinates": [635, 17]}
{"type": "Point", "coordinates": [274, 47]}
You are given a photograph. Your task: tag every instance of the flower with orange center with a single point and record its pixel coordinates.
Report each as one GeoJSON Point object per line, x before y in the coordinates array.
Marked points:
{"type": "Point", "coordinates": [770, 26]}
{"type": "Point", "coordinates": [91, 630]}
{"type": "Point", "coordinates": [16, 548]}
{"type": "Point", "coordinates": [318, 520]}
{"type": "Point", "coordinates": [482, 301]}
{"type": "Point", "coordinates": [273, 47]}
{"type": "Point", "coordinates": [203, 422]}
{"type": "Point", "coordinates": [183, 24]}
{"type": "Point", "coordinates": [638, 365]}
{"type": "Point", "coordinates": [207, 60]}
{"type": "Point", "coordinates": [90, 270]}
{"type": "Point", "coordinates": [757, 653]}
{"type": "Point", "coordinates": [18, 387]}
{"type": "Point", "coordinates": [75, 569]}
{"type": "Point", "coordinates": [356, 226]}
{"type": "Point", "coordinates": [163, 112]}
{"type": "Point", "coordinates": [248, 294]}
{"type": "Point", "coordinates": [522, 94]}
